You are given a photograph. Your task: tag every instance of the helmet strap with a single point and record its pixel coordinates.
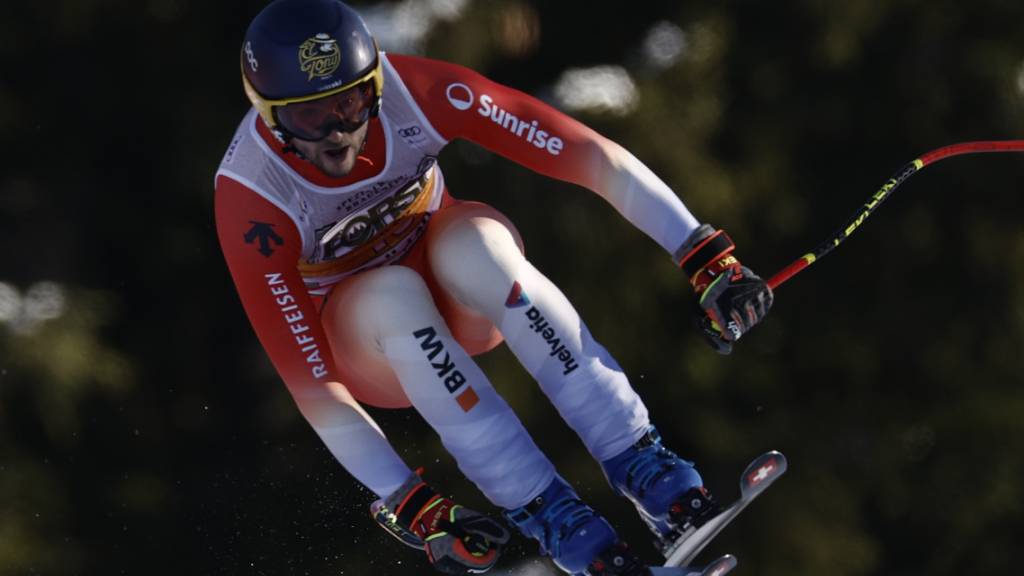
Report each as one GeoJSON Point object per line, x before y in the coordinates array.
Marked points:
{"type": "Point", "coordinates": [288, 147]}
{"type": "Point", "coordinates": [292, 149]}
{"type": "Point", "coordinates": [285, 138]}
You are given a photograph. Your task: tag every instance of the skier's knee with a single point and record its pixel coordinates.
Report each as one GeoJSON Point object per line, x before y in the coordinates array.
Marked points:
{"type": "Point", "coordinates": [470, 244]}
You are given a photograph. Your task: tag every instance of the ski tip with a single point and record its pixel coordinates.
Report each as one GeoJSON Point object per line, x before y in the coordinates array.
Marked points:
{"type": "Point", "coordinates": [764, 470]}
{"type": "Point", "coordinates": [721, 566]}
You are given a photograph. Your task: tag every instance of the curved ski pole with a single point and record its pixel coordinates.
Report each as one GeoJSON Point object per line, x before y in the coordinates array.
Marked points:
{"type": "Point", "coordinates": [883, 193]}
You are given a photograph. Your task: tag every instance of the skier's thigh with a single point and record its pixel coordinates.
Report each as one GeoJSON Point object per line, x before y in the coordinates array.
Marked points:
{"type": "Point", "coordinates": [360, 313]}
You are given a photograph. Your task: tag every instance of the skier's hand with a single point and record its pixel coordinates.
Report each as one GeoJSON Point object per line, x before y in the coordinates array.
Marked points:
{"type": "Point", "coordinates": [732, 299]}
{"type": "Point", "coordinates": [457, 540]}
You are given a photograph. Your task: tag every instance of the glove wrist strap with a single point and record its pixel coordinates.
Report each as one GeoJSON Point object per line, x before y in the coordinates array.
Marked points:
{"type": "Point", "coordinates": [414, 504]}
{"type": "Point", "coordinates": [711, 249]}
{"type": "Point", "coordinates": [410, 503]}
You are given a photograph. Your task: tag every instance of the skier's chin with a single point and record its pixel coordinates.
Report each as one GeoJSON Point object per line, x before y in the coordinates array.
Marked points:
{"type": "Point", "coordinates": [336, 161]}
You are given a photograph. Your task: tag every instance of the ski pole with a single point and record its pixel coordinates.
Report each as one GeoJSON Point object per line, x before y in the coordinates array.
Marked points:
{"type": "Point", "coordinates": [883, 193]}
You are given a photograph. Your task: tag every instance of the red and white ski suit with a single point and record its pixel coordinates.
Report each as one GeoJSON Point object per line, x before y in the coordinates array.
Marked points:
{"type": "Point", "coordinates": [289, 233]}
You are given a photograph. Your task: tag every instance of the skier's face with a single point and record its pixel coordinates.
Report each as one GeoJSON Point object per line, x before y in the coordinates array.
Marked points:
{"type": "Point", "coordinates": [335, 154]}
{"type": "Point", "coordinates": [330, 131]}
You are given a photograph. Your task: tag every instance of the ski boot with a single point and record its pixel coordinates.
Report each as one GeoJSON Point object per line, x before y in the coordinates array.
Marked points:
{"type": "Point", "coordinates": [573, 535]}
{"type": "Point", "coordinates": [666, 490]}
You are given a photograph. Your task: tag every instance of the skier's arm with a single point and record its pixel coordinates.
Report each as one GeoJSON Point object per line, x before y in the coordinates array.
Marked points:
{"type": "Point", "coordinates": [529, 132]}
{"type": "Point", "coordinates": [463, 104]}
{"type": "Point", "coordinates": [262, 246]}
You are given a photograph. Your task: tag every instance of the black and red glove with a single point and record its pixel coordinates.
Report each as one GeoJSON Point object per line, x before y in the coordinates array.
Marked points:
{"type": "Point", "coordinates": [457, 540]}
{"type": "Point", "coordinates": [731, 297]}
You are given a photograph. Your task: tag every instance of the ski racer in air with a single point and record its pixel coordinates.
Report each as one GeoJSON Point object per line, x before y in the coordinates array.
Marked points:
{"type": "Point", "coordinates": [367, 283]}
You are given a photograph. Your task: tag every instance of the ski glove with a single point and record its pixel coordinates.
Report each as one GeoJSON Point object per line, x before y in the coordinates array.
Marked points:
{"type": "Point", "coordinates": [456, 539]}
{"type": "Point", "coordinates": [732, 299]}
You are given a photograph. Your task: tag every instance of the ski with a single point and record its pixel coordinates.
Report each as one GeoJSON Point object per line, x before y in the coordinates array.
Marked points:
{"type": "Point", "coordinates": [759, 475]}
{"type": "Point", "coordinates": [720, 567]}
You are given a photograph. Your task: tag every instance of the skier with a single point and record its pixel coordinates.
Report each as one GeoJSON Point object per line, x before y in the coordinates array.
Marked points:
{"type": "Point", "coordinates": [367, 283]}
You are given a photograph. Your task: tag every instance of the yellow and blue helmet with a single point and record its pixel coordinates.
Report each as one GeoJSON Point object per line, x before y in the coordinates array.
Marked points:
{"type": "Point", "coordinates": [300, 51]}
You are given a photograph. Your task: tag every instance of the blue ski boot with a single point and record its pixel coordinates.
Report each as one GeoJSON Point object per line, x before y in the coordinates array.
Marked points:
{"type": "Point", "coordinates": [666, 490]}
{"type": "Point", "coordinates": [576, 537]}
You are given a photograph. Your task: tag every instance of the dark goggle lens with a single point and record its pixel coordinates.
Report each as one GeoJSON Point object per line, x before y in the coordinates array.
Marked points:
{"type": "Point", "coordinates": [313, 120]}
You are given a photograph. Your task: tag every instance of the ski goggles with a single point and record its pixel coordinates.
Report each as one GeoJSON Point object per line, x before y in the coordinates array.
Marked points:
{"type": "Point", "coordinates": [314, 117]}
{"type": "Point", "coordinates": [345, 111]}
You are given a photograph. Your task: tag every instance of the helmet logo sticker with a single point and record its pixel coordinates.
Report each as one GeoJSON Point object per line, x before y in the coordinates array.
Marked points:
{"type": "Point", "coordinates": [319, 56]}
{"type": "Point", "coordinates": [460, 96]}
{"type": "Point", "coordinates": [253, 63]}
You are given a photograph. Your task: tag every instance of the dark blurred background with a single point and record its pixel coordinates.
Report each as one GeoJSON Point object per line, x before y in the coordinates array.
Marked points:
{"type": "Point", "coordinates": [142, 430]}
